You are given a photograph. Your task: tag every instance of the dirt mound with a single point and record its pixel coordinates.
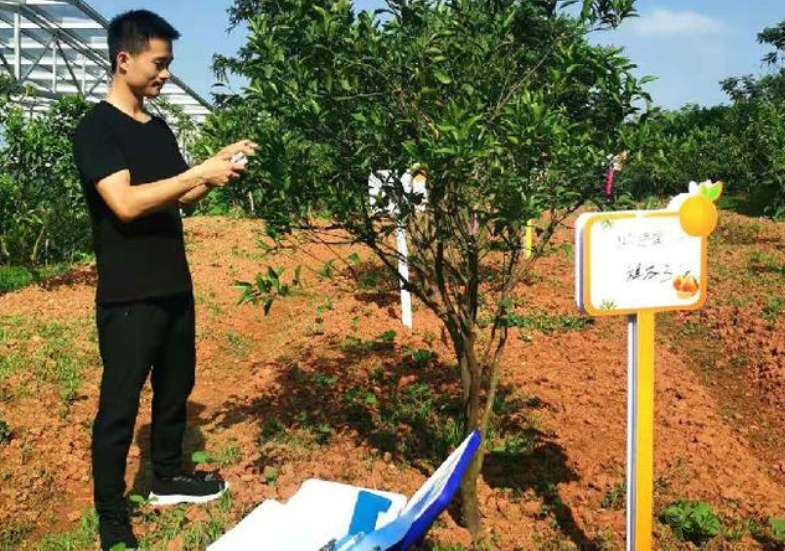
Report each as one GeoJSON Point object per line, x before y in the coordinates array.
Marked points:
{"type": "Point", "coordinates": [330, 385]}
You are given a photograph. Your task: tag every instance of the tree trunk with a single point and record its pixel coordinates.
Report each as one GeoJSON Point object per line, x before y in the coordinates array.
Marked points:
{"type": "Point", "coordinates": [469, 501]}
{"type": "Point", "coordinates": [473, 419]}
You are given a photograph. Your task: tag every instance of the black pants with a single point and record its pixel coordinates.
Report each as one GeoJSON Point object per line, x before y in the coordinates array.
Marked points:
{"type": "Point", "coordinates": [133, 338]}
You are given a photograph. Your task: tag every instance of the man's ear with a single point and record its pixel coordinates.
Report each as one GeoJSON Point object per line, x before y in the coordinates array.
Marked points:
{"type": "Point", "coordinates": [122, 59]}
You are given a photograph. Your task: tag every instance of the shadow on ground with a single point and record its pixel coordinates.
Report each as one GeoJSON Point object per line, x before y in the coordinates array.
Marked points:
{"type": "Point", "coordinates": [405, 403]}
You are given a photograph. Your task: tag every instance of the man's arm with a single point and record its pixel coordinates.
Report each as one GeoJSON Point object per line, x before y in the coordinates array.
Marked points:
{"type": "Point", "coordinates": [193, 196]}
{"type": "Point", "coordinates": [130, 202]}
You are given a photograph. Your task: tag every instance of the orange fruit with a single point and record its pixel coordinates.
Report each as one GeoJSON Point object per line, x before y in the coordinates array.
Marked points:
{"type": "Point", "coordinates": [698, 216]}
{"type": "Point", "coordinates": [690, 285]}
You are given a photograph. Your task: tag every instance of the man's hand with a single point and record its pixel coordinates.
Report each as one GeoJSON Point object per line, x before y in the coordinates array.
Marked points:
{"type": "Point", "coordinates": [218, 170]}
{"type": "Point", "coordinates": [243, 146]}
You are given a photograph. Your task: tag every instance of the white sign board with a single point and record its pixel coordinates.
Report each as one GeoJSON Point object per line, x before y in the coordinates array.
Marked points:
{"type": "Point", "coordinates": [634, 261]}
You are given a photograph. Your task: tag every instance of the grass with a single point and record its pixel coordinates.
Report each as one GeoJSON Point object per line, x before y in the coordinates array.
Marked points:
{"type": "Point", "coordinates": [760, 262]}
{"type": "Point", "coordinates": [162, 529]}
{"type": "Point", "coordinates": [433, 421]}
{"type": "Point", "coordinates": [212, 305]}
{"type": "Point", "coordinates": [372, 277]}
{"type": "Point", "coordinates": [11, 538]}
{"type": "Point", "coordinates": [46, 353]}
{"type": "Point", "coordinates": [225, 457]}
{"type": "Point", "coordinates": [277, 442]}
{"type": "Point", "coordinates": [172, 525]}
{"type": "Point", "coordinates": [542, 322]}
{"type": "Point", "coordinates": [436, 424]}
{"type": "Point", "coordinates": [5, 433]}
{"type": "Point", "coordinates": [419, 356]}
{"type": "Point", "coordinates": [356, 346]}
{"type": "Point", "coordinates": [82, 537]}
{"type": "Point", "coordinates": [240, 345]}
{"type": "Point", "coordinates": [615, 498]}
{"type": "Point", "coordinates": [773, 308]}
{"type": "Point", "coordinates": [18, 277]}
{"type": "Point", "coordinates": [326, 305]}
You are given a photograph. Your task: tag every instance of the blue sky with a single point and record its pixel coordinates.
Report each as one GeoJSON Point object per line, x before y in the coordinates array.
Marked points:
{"type": "Point", "coordinates": [689, 45]}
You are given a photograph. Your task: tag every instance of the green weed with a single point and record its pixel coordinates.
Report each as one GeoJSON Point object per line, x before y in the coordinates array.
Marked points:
{"type": "Point", "coordinates": [82, 537]}
{"type": "Point", "coordinates": [11, 538]}
{"type": "Point", "coordinates": [45, 352]}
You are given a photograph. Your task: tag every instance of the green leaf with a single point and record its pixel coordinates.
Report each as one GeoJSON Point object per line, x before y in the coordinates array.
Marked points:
{"type": "Point", "coordinates": [586, 11]}
{"type": "Point", "coordinates": [777, 527]}
{"type": "Point", "coordinates": [200, 457]}
{"type": "Point", "coordinates": [442, 77]}
{"type": "Point", "coordinates": [387, 336]}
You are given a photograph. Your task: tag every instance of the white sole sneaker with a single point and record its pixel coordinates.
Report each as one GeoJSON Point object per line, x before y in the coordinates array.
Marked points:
{"type": "Point", "coordinates": [174, 499]}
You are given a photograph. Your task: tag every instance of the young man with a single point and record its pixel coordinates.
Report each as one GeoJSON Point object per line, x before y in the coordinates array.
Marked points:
{"type": "Point", "coordinates": [134, 179]}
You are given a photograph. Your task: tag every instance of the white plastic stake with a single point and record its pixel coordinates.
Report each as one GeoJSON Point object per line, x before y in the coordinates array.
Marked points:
{"type": "Point", "coordinates": [403, 270]}
{"type": "Point", "coordinates": [375, 184]}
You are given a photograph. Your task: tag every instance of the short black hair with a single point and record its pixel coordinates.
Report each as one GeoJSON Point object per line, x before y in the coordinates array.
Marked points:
{"type": "Point", "coordinates": [132, 31]}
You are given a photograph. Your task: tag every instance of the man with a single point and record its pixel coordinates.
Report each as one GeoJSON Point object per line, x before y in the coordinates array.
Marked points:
{"type": "Point", "coordinates": [134, 179]}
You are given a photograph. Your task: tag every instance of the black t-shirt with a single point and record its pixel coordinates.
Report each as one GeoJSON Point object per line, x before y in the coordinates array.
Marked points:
{"type": "Point", "coordinates": [143, 258]}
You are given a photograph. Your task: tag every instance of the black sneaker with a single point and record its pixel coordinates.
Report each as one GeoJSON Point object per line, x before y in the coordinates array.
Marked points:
{"type": "Point", "coordinates": [186, 489]}
{"type": "Point", "coordinates": [114, 529]}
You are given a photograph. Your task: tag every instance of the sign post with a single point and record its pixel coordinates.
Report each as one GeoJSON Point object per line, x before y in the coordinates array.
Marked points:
{"type": "Point", "coordinates": [412, 184]}
{"type": "Point", "coordinates": [638, 263]}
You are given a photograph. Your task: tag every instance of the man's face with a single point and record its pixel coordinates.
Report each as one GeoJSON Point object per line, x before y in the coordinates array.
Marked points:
{"type": "Point", "coordinates": [147, 72]}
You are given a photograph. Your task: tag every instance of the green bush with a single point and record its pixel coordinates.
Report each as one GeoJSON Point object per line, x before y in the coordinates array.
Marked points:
{"type": "Point", "coordinates": [742, 144]}
{"type": "Point", "coordinates": [673, 148]}
{"type": "Point", "coordinates": [43, 219]}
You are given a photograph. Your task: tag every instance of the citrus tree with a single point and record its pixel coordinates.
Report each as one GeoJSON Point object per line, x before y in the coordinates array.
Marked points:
{"type": "Point", "coordinates": [42, 215]}
{"type": "Point", "coordinates": [759, 121]}
{"type": "Point", "coordinates": [504, 104]}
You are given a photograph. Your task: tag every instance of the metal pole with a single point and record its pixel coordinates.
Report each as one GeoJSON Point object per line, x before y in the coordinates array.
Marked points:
{"type": "Point", "coordinates": [17, 45]}
{"type": "Point", "coordinates": [54, 65]}
{"type": "Point", "coordinates": [640, 430]}
{"type": "Point", "coordinates": [84, 73]}
{"type": "Point", "coordinates": [632, 403]}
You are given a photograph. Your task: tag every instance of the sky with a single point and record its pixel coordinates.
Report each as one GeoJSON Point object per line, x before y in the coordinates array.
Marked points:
{"type": "Point", "coordinates": [689, 45]}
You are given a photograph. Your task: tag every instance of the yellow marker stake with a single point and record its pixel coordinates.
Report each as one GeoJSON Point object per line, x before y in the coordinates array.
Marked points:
{"type": "Point", "coordinates": [527, 251]}
{"type": "Point", "coordinates": [640, 432]}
